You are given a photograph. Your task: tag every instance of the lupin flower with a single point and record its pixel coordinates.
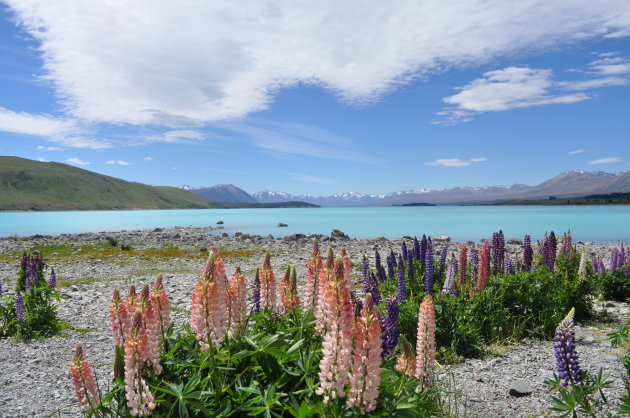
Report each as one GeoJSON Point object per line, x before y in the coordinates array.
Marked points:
{"type": "Point", "coordinates": [549, 251]}
{"type": "Point", "coordinates": [139, 397]}
{"type": "Point", "coordinates": [0, 287]}
{"type": "Point", "coordinates": [237, 302]}
{"type": "Point", "coordinates": [268, 287]}
{"type": "Point", "coordinates": [567, 244]}
{"type": "Point", "coordinates": [325, 275]}
{"type": "Point", "coordinates": [484, 267]}
{"type": "Point", "coordinates": [428, 270]}
{"type": "Point", "coordinates": [289, 298]}
{"type": "Point", "coordinates": [509, 266]}
{"type": "Point", "coordinates": [582, 268]}
{"type": "Point", "coordinates": [498, 252]}
{"type": "Point", "coordinates": [391, 326]}
{"type": "Point", "coordinates": [119, 319]}
{"type": "Point", "coordinates": [425, 347]}
{"type": "Point", "coordinates": [84, 382]}
{"type": "Point", "coordinates": [410, 273]}
{"type": "Point", "coordinates": [52, 281]}
{"type": "Point", "coordinates": [372, 287]}
{"type": "Point", "coordinates": [132, 302]}
{"type": "Point", "coordinates": [256, 292]}
{"type": "Point", "coordinates": [463, 259]}
{"type": "Point", "coordinates": [449, 282]}
{"type": "Point", "coordinates": [366, 360]}
{"type": "Point", "coordinates": [567, 362]}
{"type": "Point", "coordinates": [19, 307]}
{"type": "Point", "coordinates": [380, 270]}
{"type": "Point", "coordinates": [416, 248]}
{"type": "Point", "coordinates": [161, 305]}
{"type": "Point", "coordinates": [473, 262]}
{"type": "Point", "coordinates": [443, 254]}
{"type": "Point", "coordinates": [403, 250]}
{"type": "Point", "coordinates": [337, 336]}
{"type": "Point", "coordinates": [365, 265]}
{"type": "Point", "coordinates": [311, 287]}
{"type": "Point", "coordinates": [528, 253]}
{"type": "Point", "coordinates": [208, 315]}
{"type": "Point", "coordinates": [347, 267]}
{"type": "Point", "coordinates": [407, 361]}
{"type": "Point", "coordinates": [423, 248]}
{"type": "Point", "coordinates": [391, 261]}
{"type": "Point", "coordinates": [152, 329]}
{"type": "Point", "coordinates": [402, 283]}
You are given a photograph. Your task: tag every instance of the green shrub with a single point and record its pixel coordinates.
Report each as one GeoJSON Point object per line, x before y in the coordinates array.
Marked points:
{"type": "Point", "coordinates": [36, 315]}
{"type": "Point", "coordinates": [613, 285]}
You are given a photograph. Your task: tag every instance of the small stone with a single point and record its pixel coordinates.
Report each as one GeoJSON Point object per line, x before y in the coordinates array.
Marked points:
{"type": "Point", "coordinates": [336, 233]}
{"type": "Point", "coordinates": [519, 388]}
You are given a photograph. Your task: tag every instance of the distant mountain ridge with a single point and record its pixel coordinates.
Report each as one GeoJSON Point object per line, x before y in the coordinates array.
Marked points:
{"type": "Point", "coordinates": [223, 193]}
{"type": "Point", "coordinates": [568, 184]}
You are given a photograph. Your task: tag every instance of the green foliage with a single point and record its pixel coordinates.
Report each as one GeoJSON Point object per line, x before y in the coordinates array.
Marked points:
{"type": "Point", "coordinates": [271, 370]}
{"type": "Point", "coordinates": [40, 313]}
{"type": "Point", "coordinates": [512, 307]}
{"type": "Point", "coordinates": [584, 398]}
{"type": "Point", "coordinates": [613, 285]}
{"type": "Point", "coordinates": [621, 338]}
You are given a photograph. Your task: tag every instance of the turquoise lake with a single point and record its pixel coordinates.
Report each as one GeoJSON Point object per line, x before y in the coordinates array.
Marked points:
{"type": "Point", "coordinates": [587, 223]}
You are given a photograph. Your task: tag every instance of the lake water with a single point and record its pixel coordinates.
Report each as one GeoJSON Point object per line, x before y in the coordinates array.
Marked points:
{"type": "Point", "coordinates": [587, 223]}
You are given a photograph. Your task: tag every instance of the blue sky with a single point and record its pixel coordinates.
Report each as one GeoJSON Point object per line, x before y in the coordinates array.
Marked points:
{"type": "Point", "coordinates": [320, 97]}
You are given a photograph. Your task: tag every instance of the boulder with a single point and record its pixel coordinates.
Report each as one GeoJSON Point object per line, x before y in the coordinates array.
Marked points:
{"type": "Point", "coordinates": [519, 388]}
{"type": "Point", "coordinates": [294, 237]}
{"type": "Point", "coordinates": [219, 222]}
{"type": "Point", "coordinates": [335, 233]}
{"type": "Point", "coordinates": [282, 225]}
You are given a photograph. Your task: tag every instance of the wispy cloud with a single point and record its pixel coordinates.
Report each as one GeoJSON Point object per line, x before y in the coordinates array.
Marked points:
{"type": "Point", "coordinates": [576, 151]}
{"type": "Point", "coordinates": [229, 60]}
{"type": "Point", "coordinates": [609, 160]}
{"type": "Point", "coordinates": [148, 158]}
{"type": "Point", "coordinates": [178, 136]}
{"type": "Point", "coordinates": [43, 160]}
{"type": "Point", "coordinates": [455, 162]}
{"type": "Point", "coordinates": [285, 140]}
{"type": "Point", "coordinates": [118, 162]}
{"type": "Point", "coordinates": [63, 131]}
{"type": "Point", "coordinates": [307, 178]}
{"type": "Point", "coordinates": [40, 147]}
{"type": "Point", "coordinates": [77, 161]}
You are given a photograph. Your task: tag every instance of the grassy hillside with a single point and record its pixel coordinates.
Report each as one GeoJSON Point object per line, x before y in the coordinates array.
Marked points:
{"type": "Point", "coordinates": [33, 185]}
{"type": "Point", "coordinates": [595, 199]}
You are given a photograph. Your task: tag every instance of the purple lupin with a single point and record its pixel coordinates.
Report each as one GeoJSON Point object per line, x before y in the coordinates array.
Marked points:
{"type": "Point", "coordinates": [19, 307]}
{"type": "Point", "coordinates": [567, 361]}
{"type": "Point", "coordinates": [528, 253]}
{"type": "Point", "coordinates": [428, 269]}
{"type": "Point", "coordinates": [52, 281]}
{"type": "Point", "coordinates": [402, 283]}
{"type": "Point", "coordinates": [391, 326]}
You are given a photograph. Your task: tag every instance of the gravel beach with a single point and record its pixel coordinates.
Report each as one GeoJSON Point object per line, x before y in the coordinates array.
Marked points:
{"type": "Point", "coordinates": [35, 380]}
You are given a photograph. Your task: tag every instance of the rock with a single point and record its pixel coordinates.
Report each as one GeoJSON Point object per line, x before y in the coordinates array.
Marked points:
{"type": "Point", "coordinates": [335, 233]}
{"type": "Point", "coordinates": [294, 237]}
{"type": "Point", "coordinates": [281, 225]}
{"type": "Point", "coordinates": [158, 230]}
{"type": "Point", "coordinates": [519, 388]}
{"type": "Point", "coordinates": [445, 238]}
{"type": "Point", "coordinates": [515, 241]}
{"type": "Point", "coordinates": [219, 222]}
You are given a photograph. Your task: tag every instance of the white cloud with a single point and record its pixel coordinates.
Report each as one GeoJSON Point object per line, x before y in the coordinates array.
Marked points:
{"type": "Point", "coordinates": [608, 160]}
{"type": "Point", "coordinates": [595, 83]}
{"type": "Point", "coordinates": [178, 136]}
{"type": "Point", "coordinates": [307, 178]}
{"type": "Point", "coordinates": [63, 131]}
{"type": "Point", "coordinates": [190, 62]}
{"type": "Point", "coordinates": [505, 89]}
{"type": "Point", "coordinates": [148, 158]}
{"type": "Point", "coordinates": [576, 151]}
{"type": "Point", "coordinates": [118, 162]}
{"type": "Point", "coordinates": [40, 147]}
{"type": "Point", "coordinates": [43, 160]}
{"type": "Point", "coordinates": [455, 162]}
{"type": "Point", "coordinates": [77, 161]}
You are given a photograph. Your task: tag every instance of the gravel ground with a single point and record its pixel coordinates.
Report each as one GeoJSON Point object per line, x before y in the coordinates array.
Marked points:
{"type": "Point", "coordinates": [35, 379]}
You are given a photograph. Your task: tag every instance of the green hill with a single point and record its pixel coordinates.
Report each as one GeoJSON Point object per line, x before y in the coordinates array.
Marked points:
{"type": "Point", "coordinates": [33, 185]}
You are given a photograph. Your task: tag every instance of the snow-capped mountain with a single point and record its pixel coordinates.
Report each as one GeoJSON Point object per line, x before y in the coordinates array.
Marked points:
{"type": "Point", "coordinates": [567, 184]}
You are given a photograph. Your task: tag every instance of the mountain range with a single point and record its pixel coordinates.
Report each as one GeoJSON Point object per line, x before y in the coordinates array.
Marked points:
{"type": "Point", "coordinates": [568, 184]}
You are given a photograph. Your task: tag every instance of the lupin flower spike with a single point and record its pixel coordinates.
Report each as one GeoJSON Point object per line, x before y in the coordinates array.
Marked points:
{"type": "Point", "coordinates": [425, 347]}
{"type": "Point", "coordinates": [366, 360]}
{"type": "Point", "coordinates": [567, 362]}
{"type": "Point", "coordinates": [208, 315]}
{"type": "Point", "coordinates": [528, 253]}
{"type": "Point", "coordinates": [84, 382]}
{"type": "Point", "coordinates": [268, 287]}
{"type": "Point", "coordinates": [429, 274]}
{"type": "Point", "coordinates": [52, 281]}
{"type": "Point", "coordinates": [152, 329]}
{"type": "Point", "coordinates": [139, 397]}
{"type": "Point", "coordinates": [463, 259]}
{"type": "Point", "coordinates": [313, 268]}
{"type": "Point", "coordinates": [337, 336]}
{"type": "Point", "coordinates": [161, 305]}
{"type": "Point", "coordinates": [582, 268]}
{"type": "Point", "coordinates": [237, 302]}
{"type": "Point", "coordinates": [402, 282]}
{"type": "Point", "coordinates": [390, 326]}
{"type": "Point", "coordinates": [256, 292]}
{"type": "Point", "coordinates": [19, 307]}
{"type": "Point", "coordinates": [119, 318]}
